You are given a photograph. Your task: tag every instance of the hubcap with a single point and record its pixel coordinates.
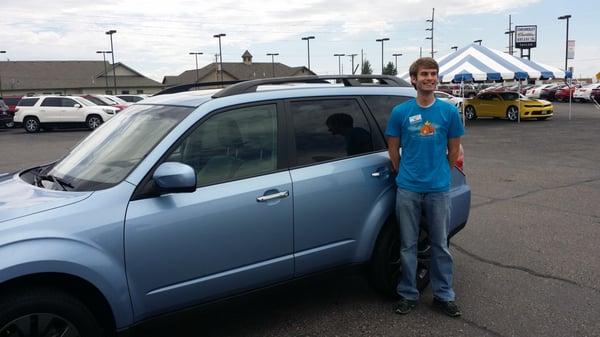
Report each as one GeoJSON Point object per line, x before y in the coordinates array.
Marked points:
{"type": "Point", "coordinates": [39, 324]}
{"type": "Point", "coordinates": [94, 122]}
{"type": "Point", "coordinates": [31, 125]}
{"type": "Point", "coordinates": [469, 113]}
{"type": "Point", "coordinates": [512, 114]}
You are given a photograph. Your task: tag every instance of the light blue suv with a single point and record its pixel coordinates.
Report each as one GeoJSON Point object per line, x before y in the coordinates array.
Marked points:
{"type": "Point", "coordinates": [187, 198]}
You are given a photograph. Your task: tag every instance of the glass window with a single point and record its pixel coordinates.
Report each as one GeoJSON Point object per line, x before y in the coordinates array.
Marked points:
{"type": "Point", "coordinates": [27, 101]}
{"type": "Point", "coordinates": [509, 96]}
{"type": "Point", "coordinates": [329, 129]}
{"type": "Point", "coordinates": [126, 92]}
{"type": "Point", "coordinates": [52, 102]}
{"type": "Point", "coordinates": [381, 107]}
{"type": "Point", "coordinates": [96, 100]}
{"type": "Point", "coordinates": [68, 103]}
{"type": "Point", "coordinates": [139, 91]}
{"type": "Point", "coordinates": [231, 145]}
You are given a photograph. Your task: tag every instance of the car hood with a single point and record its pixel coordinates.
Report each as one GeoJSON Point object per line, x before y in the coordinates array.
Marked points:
{"type": "Point", "coordinates": [18, 198]}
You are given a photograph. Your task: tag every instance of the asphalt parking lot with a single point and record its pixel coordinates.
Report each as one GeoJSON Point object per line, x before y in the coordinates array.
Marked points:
{"type": "Point", "coordinates": [525, 265]}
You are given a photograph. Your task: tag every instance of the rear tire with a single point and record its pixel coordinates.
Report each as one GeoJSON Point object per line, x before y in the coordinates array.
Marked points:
{"type": "Point", "coordinates": [46, 312]}
{"type": "Point", "coordinates": [31, 124]}
{"type": "Point", "coordinates": [385, 264]}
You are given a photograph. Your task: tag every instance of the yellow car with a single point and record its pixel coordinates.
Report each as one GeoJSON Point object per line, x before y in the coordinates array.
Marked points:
{"type": "Point", "coordinates": [507, 105]}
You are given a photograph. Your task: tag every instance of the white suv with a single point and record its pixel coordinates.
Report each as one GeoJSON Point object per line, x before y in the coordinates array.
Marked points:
{"type": "Point", "coordinates": [35, 113]}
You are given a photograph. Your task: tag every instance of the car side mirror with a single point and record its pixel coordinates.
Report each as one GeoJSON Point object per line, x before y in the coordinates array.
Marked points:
{"type": "Point", "coordinates": [77, 105]}
{"type": "Point", "coordinates": [173, 177]}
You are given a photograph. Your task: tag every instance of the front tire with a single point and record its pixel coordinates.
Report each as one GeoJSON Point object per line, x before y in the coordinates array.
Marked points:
{"type": "Point", "coordinates": [512, 113]}
{"type": "Point", "coordinates": [46, 312]}
{"type": "Point", "coordinates": [31, 124]}
{"type": "Point", "coordinates": [385, 264]}
{"type": "Point", "coordinates": [93, 122]}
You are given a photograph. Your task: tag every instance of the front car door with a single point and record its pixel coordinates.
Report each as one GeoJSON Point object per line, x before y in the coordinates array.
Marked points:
{"type": "Point", "coordinates": [340, 170]}
{"type": "Point", "coordinates": [235, 232]}
{"type": "Point", "coordinates": [70, 113]}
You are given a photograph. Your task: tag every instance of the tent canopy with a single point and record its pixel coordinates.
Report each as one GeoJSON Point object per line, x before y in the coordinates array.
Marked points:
{"type": "Point", "coordinates": [479, 63]}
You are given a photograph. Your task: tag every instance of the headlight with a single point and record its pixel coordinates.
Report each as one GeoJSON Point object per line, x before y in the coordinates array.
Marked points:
{"type": "Point", "coordinates": [109, 111]}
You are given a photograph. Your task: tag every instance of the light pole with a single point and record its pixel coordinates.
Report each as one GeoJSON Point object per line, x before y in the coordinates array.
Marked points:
{"type": "Point", "coordinates": [196, 53]}
{"type": "Point", "coordinates": [396, 61]}
{"type": "Point", "coordinates": [219, 36]}
{"type": "Point", "coordinates": [352, 57]}
{"type": "Point", "coordinates": [339, 56]}
{"type": "Point", "coordinates": [273, 61]}
{"type": "Point", "coordinates": [454, 47]}
{"type": "Point", "coordinates": [478, 41]}
{"type": "Point", "coordinates": [1, 52]}
{"type": "Point", "coordinates": [307, 39]}
{"type": "Point", "coordinates": [566, 17]}
{"type": "Point", "coordinates": [382, 40]}
{"type": "Point", "coordinates": [104, 52]}
{"type": "Point", "coordinates": [431, 29]}
{"type": "Point", "coordinates": [112, 54]}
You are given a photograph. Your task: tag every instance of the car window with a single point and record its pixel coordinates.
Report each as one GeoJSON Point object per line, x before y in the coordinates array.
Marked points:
{"type": "Point", "coordinates": [329, 129]}
{"type": "Point", "coordinates": [96, 100]}
{"type": "Point", "coordinates": [509, 96]}
{"type": "Point", "coordinates": [68, 103]}
{"type": "Point", "coordinates": [381, 107]}
{"type": "Point", "coordinates": [231, 145]}
{"type": "Point", "coordinates": [52, 102]}
{"type": "Point", "coordinates": [27, 101]}
{"type": "Point", "coordinates": [11, 100]}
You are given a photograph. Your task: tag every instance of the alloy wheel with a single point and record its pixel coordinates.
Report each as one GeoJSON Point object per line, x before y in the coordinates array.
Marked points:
{"type": "Point", "coordinates": [39, 324]}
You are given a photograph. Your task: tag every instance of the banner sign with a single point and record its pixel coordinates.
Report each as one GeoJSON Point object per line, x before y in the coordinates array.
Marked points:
{"type": "Point", "coordinates": [526, 36]}
{"type": "Point", "coordinates": [571, 50]}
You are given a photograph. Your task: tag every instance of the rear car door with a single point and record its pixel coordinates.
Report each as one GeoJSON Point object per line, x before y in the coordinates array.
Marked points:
{"type": "Point", "coordinates": [233, 233]}
{"type": "Point", "coordinates": [339, 170]}
{"type": "Point", "coordinates": [50, 110]}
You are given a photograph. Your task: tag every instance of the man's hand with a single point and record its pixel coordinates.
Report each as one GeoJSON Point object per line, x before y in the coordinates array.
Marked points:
{"type": "Point", "coordinates": [394, 152]}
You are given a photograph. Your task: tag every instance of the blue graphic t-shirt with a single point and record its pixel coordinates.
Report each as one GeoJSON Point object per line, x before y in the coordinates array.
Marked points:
{"type": "Point", "coordinates": [424, 134]}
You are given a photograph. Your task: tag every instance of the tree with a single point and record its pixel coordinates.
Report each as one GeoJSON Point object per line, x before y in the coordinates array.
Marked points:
{"type": "Point", "coordinates": [390, 69]}
{"type": "Point", "coordinates": [366, 68]}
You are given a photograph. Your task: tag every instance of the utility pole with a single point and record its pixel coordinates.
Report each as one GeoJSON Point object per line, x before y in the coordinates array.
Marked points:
{"type": "Point", "coordinates": [431, 29]}
{"type": "Point", "coordinates": [307, 39]}
{"type": "Point", "coordinates": [420, 52]}
{"type": "Point", "coordinates": [219, 36]}
{"type": "Point", "coordinates": [566, 17]}
{"type": "Point", "coordinates": [362, 60]}
{"type": "Point", "coordinates": [196, 55]}
{"type": "Point", "coordinates": [112, 53]}
{"type": "Point", "coordinates": [510, 33]}
{"type": "Point", "coordinates": [382, 41]}
{"type": "Point", "coordinates": [273, 61]}
{"type": "Point", "coordinates": [396, 64]}
{"type": "Point", "coordinates": [104, 52]}
{"type": "Point", "coordinates": [339, 56]}
{"type": "Point", "coordinates": [3, 52]}
{"type": "Point", "coordinates": [352, 56]}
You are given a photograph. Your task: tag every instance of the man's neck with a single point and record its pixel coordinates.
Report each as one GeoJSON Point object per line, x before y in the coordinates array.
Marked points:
{"type": "Point", "coordinates": [425, 99]}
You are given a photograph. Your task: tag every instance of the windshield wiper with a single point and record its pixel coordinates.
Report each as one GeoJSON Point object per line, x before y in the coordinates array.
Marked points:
{"type": "Point", "coordinates": [63, 184]}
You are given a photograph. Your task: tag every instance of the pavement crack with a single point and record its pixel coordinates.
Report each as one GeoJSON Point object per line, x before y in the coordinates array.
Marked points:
{"type": "Point", "coordinates": [481, 327]}
{"type": "Point", "coordinates": [523, 269]}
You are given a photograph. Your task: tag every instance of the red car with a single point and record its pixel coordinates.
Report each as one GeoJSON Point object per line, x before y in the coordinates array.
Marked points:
{"type": "Point", "coordinates": [12, 101]}
{"type": "Point", "coordinates": [563, 93]}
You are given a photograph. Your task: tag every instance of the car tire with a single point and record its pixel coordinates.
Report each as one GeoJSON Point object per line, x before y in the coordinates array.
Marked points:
{"type": "Point", "coordinates": [512, 113]}
{"type": "Point", "coordinates": [31, 124]}
{"type": "Point", "coordinates": [470, 112]}
{"type": "Point", "coordinates": [93, 121]}
{"type": "Point", "coordinates": [33, 311]}
{"type": "Point", "coordinates": [385, 266]}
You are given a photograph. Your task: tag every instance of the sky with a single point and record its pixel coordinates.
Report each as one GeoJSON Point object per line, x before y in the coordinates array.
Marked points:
{"type": "Point", "coordinates": [155, 37]}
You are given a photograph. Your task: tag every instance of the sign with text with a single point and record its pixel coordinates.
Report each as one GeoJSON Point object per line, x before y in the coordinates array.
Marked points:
{"type": "Point", "coordinates": [571, 50]}
{"type": "Point", "coordinates": [526, 36]}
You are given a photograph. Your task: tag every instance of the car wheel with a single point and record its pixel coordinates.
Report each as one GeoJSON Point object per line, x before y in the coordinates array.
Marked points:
{"type": "Point", "coordinates": [385, 264]}
{"type": "Point", "coordinates": [10, 124]}
{"type": "Point", "coordinates": [46, 312]}
{"type": "Point", "coordinates": [512, 113]}
{"type": "Point", "coordinates": [93, 122]}
{"type": "Point", "coordinates": [470, 112]}
{"type": "Point", "coordinates": [31, 124]}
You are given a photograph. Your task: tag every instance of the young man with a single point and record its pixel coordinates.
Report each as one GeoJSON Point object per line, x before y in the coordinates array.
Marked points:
{"type": "Point", "coordinates": [429, 131]}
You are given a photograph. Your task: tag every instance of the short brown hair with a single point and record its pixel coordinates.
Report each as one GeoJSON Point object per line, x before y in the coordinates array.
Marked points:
{"type": "Point", "coordinates": [423, 62]}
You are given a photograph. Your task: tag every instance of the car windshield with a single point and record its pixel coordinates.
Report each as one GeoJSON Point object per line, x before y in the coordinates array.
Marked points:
{"type": "Point", "coordinates": [84, 101]}
{"type": "Point", "coordinates": [109, 154]}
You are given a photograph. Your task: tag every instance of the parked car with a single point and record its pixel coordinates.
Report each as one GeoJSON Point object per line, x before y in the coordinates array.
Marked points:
{"type": "Point", "coordinates": [469, 91]}
{"type": "Point", "coordinates": [105, 100]}
{"type": "Point", "coordinates": [508, 105]}
{"type": "Point", "coordinates": [549, 93]}
{"type": "Point", "coordinates": [11, 101]}
{"type": "Point", "coordinates": [536, 92]}
{"type": "Point", "coordinates": [456, 101]}
{"type": "Point", "coordinates": [132, 98]}
{"type": "Point", "coordinates": [584, 94]}
{"type": "Point", "coordinates": [6, 119]}
{"type": "Point", "coordinates": [525, 88]}
{"type": "Point", "coordinates": [35, 113]}
{"type": "Point", "coordinates": [564, 92]}
{"type": "Point", "coordinates": [191, 197]}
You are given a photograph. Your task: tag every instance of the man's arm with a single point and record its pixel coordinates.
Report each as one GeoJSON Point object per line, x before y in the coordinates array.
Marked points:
{"type": "Point", "coordinates": [453, 150]}
{"type": "Point", "coordinates": [393, 150]}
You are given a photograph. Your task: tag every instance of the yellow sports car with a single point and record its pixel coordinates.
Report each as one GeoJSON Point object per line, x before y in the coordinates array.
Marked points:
{"type": "Point", "coordinates": [507, 104]}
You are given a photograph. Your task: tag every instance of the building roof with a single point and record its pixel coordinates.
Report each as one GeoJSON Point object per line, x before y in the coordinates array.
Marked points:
{"type": "Point", "coordinates": [25, 75]}
{"type": "Point", "coordinates": [239, 71]}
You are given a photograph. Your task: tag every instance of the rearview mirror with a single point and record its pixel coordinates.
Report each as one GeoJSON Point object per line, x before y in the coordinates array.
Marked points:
{"type": "Point", "coordinates": [173, 177]}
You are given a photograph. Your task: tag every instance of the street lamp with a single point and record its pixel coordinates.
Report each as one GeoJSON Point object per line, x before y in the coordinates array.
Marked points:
{"type": "Point", "coordinates": [219, 36]}
{"type": "Point", "coordinates": [273, 61]}
{"type": "Point", "coordinates": [1, 52]}
{"type": "Point", "coordinates": [566, 17]}
{"type": "Point", "coordinates": [339, 56]}
{"type": "Point", "coordinates": [454, 47]}
{"type": "Point", "coordinates": [307, 39]}
{"type": "Point", "coordinates": [396, 61]}
{"type": "Point", "coordinates": [112, 54]}
{"type": "Point", "coordinates": [196, 53]}
{"type": "Point", "coordinates": [382, 40]}
{"type": "Point", "coordinates": [478, 41]}
{"type": "Point", "coordinates": [352, 56]}
{"type": "Point", "coordinates": [104, 52]}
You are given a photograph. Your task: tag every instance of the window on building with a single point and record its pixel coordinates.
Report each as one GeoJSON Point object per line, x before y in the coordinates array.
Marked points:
{"type": "Point", "coordinates": [125, 92]}
{"type": "Point", "coordinates": [139, 91]}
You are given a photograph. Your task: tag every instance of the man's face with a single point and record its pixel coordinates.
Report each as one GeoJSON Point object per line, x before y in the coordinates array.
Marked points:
{"type": "Point", "coordinates": [426, 79]}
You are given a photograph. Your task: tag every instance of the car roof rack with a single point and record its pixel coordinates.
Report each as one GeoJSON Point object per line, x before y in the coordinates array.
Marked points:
{"type": "Point", "coordinates": [347, 80]}
{"type": "Point", "coordinates": [192, 86]}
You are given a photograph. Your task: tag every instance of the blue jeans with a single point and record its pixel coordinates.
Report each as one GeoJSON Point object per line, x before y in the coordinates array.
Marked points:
{"type": "Point", "coordinates": [436, 206]}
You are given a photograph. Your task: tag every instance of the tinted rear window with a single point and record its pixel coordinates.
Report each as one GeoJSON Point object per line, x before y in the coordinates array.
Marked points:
{"type": "Point", "coordinates": [11, 100]}
{"type": "Point", "coordinates": [27, 101]}
{"type": "Point", "coordinates": [381, 107]}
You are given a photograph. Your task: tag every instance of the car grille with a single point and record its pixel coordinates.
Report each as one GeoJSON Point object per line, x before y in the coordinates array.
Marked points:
{"type": "Point", "coordinates": [541, 113]}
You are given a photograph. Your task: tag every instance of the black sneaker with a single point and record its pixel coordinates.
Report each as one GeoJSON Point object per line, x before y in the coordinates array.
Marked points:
{"type": "Point", "coordinates": [404, 306]}
{"type": "Point", "coordinates": [448, 307]}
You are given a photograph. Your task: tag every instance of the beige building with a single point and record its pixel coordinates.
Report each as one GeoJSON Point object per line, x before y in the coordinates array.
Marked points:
{"type": "Point", "coordinates": [71, 78]}
{"type": "Point", "coordinates": [245, 70]}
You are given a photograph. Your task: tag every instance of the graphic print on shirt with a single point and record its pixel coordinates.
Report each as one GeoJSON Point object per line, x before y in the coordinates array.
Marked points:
{"type": "Point", "coordinates": [427, 129]}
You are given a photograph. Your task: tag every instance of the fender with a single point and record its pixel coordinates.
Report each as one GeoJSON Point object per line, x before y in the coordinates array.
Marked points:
{"type": "Point", "coordinates": [76, 258]}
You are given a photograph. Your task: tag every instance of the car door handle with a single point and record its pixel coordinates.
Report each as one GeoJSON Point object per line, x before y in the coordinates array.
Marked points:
{"type": "Point", "coordinates": [273, 196]}
{"type": "Point", "coordinates": [381, 173]}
